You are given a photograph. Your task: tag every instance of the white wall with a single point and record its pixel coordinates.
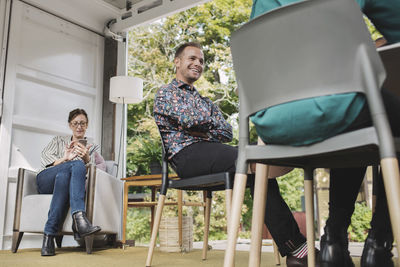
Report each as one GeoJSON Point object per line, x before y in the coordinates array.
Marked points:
{"type": "Point", "coordinates": [53, 66]}
{"type": "Point", "coordinates": [4, 17]}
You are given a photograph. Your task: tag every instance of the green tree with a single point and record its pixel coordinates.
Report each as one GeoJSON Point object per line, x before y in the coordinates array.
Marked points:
{"type": "Point", "coordinates": [151, 54]}
{"type": "Point", "coordinates": [360, 223]}
{"type": "Point", "coordinates": [291, 187]}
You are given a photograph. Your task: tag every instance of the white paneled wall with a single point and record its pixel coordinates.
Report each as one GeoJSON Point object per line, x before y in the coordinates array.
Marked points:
{"type": "Point", "coordinates": [53, 66]}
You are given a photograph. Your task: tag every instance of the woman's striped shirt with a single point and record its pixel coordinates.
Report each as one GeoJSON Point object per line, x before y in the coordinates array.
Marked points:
{"type": "Point", "coordinates": [56, 148]}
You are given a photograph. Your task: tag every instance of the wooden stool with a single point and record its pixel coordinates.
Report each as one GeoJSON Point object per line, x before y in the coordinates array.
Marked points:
{"type": "Point", "coordinates": [153, 181]}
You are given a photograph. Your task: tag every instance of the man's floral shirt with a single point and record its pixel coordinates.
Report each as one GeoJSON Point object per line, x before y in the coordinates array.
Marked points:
{"type": "Point", "coordinates": [181, 113]}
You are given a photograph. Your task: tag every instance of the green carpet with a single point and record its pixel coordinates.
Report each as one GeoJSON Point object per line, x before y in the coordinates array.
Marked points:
{"type": "Point", "coordinates": [131, 256]}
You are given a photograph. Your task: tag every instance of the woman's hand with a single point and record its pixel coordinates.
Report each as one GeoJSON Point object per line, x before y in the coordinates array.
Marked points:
{"type": "Point", "coordinates": [69, 153]}
{"type": "Point", "coordinates": [82, 151]}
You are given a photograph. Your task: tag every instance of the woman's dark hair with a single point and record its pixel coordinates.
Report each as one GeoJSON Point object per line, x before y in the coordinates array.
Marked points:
{"type": "Point", "coordinates": [183, 46]}
{"type": "Point", "coordinates": [76, 112]}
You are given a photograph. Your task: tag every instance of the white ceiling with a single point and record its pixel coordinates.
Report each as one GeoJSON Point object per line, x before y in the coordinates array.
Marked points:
{"type": "Point", "coordinates": [146, 11]}
{"type": "Point", "coordinates": [94, 14]}
{"type": "Point", "coordinates": [121, 4]}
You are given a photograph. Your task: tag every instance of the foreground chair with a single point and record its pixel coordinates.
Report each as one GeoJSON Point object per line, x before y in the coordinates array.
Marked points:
{"type": "Point", "coordinates": [103, 206]}
{"type": "Point", "coordinates": [205, 183]}
{"type": "Point", "coordinates": [304, 50]}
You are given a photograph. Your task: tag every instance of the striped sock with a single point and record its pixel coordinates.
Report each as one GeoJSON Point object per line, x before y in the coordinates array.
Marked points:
{"type": "Point", "coordinates": [301, 251]}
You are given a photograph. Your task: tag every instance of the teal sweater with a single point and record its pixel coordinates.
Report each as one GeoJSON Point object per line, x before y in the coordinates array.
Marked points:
{"type": "Point", "coordinates": [312, 120]}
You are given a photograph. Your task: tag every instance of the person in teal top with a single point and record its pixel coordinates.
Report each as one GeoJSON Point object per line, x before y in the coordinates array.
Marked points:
{"type": "Point", "coordinates": [334, 113]}
{"type": "Point", "coordinates": [316, 119]}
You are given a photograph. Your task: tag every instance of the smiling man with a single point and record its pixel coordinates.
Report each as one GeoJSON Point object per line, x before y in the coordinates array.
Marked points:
{"type": "Point", "coordinates": [192, 125]}
{"type": "Point", "coordinates": [194, 130]}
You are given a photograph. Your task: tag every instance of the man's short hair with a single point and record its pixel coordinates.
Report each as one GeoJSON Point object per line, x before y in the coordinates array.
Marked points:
{"type": "Point", "coordinates": [183, 46]}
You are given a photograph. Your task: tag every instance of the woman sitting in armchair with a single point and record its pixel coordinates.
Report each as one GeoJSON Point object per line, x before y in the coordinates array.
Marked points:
{"type": "Point", "coordinates": [63, 174]}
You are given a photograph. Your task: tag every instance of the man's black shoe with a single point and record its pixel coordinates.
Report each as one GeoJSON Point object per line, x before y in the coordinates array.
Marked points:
{"type": "Point", "coordinates": [334, 249]}
{"type": "Point", "coordinates": [377, 252]}
{"type": "Point", "coordinates": [292, 261]}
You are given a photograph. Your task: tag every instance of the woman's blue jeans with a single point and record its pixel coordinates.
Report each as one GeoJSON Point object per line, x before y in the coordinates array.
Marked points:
{"type": "Point", "coordinates": [66, 182]}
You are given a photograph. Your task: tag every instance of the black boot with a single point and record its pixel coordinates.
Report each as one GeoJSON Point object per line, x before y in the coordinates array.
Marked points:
{"type": "Point", "coordinates": [83, 225]}
{"type": "Point", "coordinates": [334, 249]}
{"type": "Point", "coordinates": [77, 236]}
{"type": "Point", "coordinates": [48, 248]}
{"type": "Point", "coordinates": [377, 251]}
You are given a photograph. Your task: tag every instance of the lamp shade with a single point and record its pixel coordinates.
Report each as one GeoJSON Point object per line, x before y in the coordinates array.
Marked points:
{"type": "Point", "coordinates": [126, 89]}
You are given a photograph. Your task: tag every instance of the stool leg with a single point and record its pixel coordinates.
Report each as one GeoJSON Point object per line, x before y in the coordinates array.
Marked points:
{"type": "Point", "coordinates": [237, 202]}
{"type": "Point", "coordinates": [276, 253]}
{"type": "Point", "coordinates": [160, 206]}
{"type": "Point", "coordinates": [257, 223]}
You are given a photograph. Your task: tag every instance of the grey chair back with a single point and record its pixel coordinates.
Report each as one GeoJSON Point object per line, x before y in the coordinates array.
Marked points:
{"type": "Point", "coordinates": [304, 50]}
{"type": "Point", "coordinates": [296, 57]}
{"type": "Point", "coordinates": [111, 167]}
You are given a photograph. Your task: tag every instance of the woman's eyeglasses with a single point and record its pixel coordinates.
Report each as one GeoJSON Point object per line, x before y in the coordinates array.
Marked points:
{"type": "Point", "coordinates": [75, 124]}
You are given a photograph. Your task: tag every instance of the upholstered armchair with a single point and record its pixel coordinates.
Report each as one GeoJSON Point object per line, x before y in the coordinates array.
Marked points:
{"type": "Point", "coordinates": [103, 205]}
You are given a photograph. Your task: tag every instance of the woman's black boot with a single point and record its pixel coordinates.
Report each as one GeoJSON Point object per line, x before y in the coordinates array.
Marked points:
{"type": "Point", "coordinates": [82, 224]}
{"type": "Point", "coordinates": [48, 248]}
{"type": "Point", "coordinates": [77, 236]}
{"type": "Point", "coordinates": [334, 249]}
{"type": "Point", "coordinates": [377, 251]}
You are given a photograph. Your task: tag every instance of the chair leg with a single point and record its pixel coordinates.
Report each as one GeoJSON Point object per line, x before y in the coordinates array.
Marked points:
{"type": "Point", "coordinates": [180, 204]}
{"type": "Point", "coordinates": [112, 240]}
{"type": "Point", "coordinates": [152, 210]}
{"type": "Point", "coordinates": [16, 239]}
{"type": "Point", "coordinates": [207, 212]}
{"type": "Point", "coordinates": [237, 202]}
{"type": "Point", "coordinates": [276, 253]}
{"type": "Point", "coordinates": [160, 206]}
{"type": "Point", "coordinates": [89, 243]}
{"type": "Point", "coordinates": [391, 180]}
{"type": "Point", "coordinates": [228, 206]}
{"type": "Point", "coordinates": [257, 223]}
{"type": "Point", "coordinates": [59, 239]}
{"type": "Point", "coordinates": [308, 193]}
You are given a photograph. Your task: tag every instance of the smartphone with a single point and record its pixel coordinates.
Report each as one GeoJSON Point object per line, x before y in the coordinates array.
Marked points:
{"type": "Point", "coordinates": [83, 142]}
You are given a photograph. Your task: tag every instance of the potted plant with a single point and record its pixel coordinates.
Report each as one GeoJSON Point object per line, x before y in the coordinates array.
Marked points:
{"type": "Point", "coordinates": [150, 154]}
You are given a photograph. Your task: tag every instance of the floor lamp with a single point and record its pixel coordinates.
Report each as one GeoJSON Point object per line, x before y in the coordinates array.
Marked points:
{"type": "Point", "coordinates": [125, 90]}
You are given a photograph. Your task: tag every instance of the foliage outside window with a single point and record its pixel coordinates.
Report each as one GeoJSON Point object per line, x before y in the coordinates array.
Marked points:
{"type": "Point", "coordinates": [151, 53]}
